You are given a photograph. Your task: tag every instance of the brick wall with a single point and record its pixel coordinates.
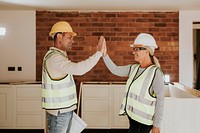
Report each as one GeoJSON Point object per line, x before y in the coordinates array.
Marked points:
{"type": "Point", "coordinates": [120, 29]}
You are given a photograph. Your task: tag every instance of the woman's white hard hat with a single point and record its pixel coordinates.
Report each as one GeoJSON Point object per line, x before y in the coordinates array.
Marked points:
{"type": "Point", "coordinates": [145, 40]}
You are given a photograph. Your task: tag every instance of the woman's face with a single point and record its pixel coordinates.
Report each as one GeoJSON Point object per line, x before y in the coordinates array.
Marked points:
{"type": "Point", "coordinates": [140, 53]}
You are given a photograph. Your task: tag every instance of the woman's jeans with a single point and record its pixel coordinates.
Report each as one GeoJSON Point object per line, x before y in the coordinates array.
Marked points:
{"type": "Point", "coordinates": [136, 127]}
{"type": "Point", "coordinates": [60, 123]}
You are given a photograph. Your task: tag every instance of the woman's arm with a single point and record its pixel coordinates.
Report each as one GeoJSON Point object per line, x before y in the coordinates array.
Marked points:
{"type": "Point", "coordinates": [116, 70]}
{"type": "Point", "coordinates": [158, 88]}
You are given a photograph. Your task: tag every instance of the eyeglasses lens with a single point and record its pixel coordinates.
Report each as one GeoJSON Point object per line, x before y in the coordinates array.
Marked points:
{"type": "Point", "coordinates": [138, 48]}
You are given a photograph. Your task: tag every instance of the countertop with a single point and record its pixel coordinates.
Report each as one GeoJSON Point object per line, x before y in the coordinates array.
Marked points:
{"type": "Point", "coordinates": [20, 82]}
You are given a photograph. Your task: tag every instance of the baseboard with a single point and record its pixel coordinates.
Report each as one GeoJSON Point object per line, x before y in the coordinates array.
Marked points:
{"type": "Point", "coordinates": [105, 131]}
{"type": "Point", "coordinates": [21, 130]}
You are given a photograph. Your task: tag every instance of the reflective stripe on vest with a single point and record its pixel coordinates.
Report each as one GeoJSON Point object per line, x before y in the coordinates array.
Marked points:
{"type": "Point", "coordinates": [57, 93]}
{"type": "Point", "coordinates": [138, 103]}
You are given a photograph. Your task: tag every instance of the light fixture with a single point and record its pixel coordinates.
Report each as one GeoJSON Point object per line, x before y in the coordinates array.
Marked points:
{"type": "Point", "coordinates": [2, 31]}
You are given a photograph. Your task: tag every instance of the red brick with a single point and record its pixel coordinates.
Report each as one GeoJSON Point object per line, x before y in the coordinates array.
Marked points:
{"type": "Point", "coordinates": [120, 29]}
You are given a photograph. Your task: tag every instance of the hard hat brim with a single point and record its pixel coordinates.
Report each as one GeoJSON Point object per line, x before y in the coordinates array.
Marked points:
{"type": "Point", "coordinates": [70, 33]}
{"type": "Point", "coordinates": [136, 45]}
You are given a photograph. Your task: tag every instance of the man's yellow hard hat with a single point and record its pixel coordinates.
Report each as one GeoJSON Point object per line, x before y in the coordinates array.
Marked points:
{"type": "Point", "coordinates": [61, 26]}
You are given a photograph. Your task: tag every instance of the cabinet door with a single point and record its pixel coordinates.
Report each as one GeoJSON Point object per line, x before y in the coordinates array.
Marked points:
{"type": "Point", "coordinates": [29, 113]}
{"type": "Point", "coordinates": [96, 108]}
{"type": "Point", "coordinates": [118, 121]}
{"type": "Point", "coordinates": [6, 103]}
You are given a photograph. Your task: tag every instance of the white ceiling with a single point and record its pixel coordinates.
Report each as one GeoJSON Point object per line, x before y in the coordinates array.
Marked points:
{"type": "Point", "coordinates": [118, 5]}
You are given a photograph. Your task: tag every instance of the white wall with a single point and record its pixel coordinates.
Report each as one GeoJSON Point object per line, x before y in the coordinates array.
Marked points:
{"type": "Point", "coordinates": [186, 19]}
{"type": "Point", "coordinates": [18, 46]}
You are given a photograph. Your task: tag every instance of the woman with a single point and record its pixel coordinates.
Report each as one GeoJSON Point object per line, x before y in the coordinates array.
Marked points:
{"type": "Point", "coordinates": [144, 95]}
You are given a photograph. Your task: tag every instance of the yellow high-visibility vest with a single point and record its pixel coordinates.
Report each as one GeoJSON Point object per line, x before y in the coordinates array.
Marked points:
{"type": "Point", "coordinates": [57, 93]}
{"type": "Point", "coordinates": [138, 103]}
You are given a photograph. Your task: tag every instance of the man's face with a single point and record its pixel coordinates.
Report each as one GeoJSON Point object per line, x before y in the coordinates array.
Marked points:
{"type": "Point", "coordinates": [66, 41]}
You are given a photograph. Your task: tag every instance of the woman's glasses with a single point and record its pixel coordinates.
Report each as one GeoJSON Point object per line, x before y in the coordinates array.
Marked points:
{"type": "Point", "coordinates": [139, 48]}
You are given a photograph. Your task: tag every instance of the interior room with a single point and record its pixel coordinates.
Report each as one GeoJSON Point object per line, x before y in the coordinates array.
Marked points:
{"type": "Point", "coordinates": [25, 40]}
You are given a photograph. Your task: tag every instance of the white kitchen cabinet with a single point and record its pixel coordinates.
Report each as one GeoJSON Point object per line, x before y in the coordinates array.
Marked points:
{"type": "Point", "coordinates": [22, 106]}
{"type": "Point", "coordinates": [118, 94]}
{"type": "Point", "coordinates": [29, 113]}
{"type": "Point", "coordinates": [100, 105]}
{"type": "Point", "coordinates": [6, 106]}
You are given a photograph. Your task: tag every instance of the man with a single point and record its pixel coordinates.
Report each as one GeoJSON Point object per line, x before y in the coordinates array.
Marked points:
{"type": "Point", "coordinates": [58, 86]}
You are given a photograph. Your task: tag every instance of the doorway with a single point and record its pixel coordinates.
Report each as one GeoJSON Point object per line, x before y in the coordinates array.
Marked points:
{"type": "Point", "coordinates": [196, 49]}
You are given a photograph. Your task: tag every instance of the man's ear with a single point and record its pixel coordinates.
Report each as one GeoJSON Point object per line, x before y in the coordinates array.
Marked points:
{"type": "Point", "coordinates": [59, 37]}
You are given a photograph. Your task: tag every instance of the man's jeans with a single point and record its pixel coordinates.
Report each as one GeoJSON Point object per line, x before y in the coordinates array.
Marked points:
{"type": "Point", "coordinates": [60, 123]}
